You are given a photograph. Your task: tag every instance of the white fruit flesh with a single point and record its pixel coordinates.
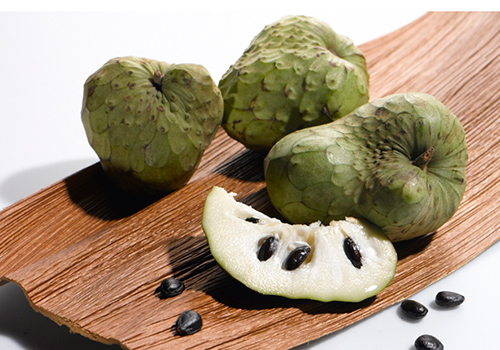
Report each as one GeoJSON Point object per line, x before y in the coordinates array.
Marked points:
{"type": "Point", "coordinates": [327, 274]}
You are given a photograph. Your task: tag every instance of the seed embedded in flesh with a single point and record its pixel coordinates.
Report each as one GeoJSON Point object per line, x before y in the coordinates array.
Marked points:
{"type": "Point", "coordinates": [428, 342]}
{"type": "Point", "coordinates": [413, 309]}
{"type": "Point", "coordinates": [297, 257]}
{"type": "Point", "coordinates": [351, 249]}
{"type": "Point", "coordinates": [449, 299]}
{"type": "Point", "coordinates": [252, 220]}
{"type": "Point", "coordinates": [189, 322]}
{"type": "Point", "coordinates": [170, 287]}
{"type": "Point", "coordinates": [267, 248]}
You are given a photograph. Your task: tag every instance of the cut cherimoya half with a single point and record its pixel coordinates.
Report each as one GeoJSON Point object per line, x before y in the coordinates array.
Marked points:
{"type": "Point", "coordinates": [348, 260]}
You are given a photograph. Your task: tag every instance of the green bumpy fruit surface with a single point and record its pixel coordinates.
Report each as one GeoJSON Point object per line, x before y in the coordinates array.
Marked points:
{"type": "Point", "coordinates": [150, 122]}
{"type": "Point", "coordinates": [296, 73]}
{"type": "Point", "coordinates": [398, 162]}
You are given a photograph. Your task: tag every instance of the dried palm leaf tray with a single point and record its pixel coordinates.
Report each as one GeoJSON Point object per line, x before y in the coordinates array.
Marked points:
{"type": "Point", "coordinates": [90, 258]}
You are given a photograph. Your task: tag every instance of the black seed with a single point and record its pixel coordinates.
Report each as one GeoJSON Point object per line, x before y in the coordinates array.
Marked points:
{"type": "Point", "coordinates": [448, 299]}
{"type": "Point", "coordinates": [252, 220]}
{"type": "Point", "coordinates": [267, 248]}
{"type": "Point", "coordinates": [189, 322]}
{"type": "Point", "coordinates": [428, 342]}
{"type": "Point", "coordinates": [413, 309]}
{"type": "Point", "coordinates": [297, 257]}
{"type": "Point", "coordinates": [169, 287]}
{"type": "Point", "coordinates": [351, 249]}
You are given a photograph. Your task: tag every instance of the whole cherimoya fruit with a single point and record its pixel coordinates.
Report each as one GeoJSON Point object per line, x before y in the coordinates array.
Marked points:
{"type": "Point", "coordinates": [296, 73]}
{"type": "Point", "coordinates": [150, 122]}
{"type": "Point", "coordinates": [398, 162]}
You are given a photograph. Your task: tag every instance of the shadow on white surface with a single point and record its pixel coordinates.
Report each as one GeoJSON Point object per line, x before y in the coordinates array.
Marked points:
{"type": "Point", "coordinates": [26, 182]}
{"type": "Point", "coordinates": [21, 327]}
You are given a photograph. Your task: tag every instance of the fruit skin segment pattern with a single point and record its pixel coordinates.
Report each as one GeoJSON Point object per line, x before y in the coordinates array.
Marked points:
{"type": "Point", "coordinates": [296, 73]}
{"type": "Point", "coordinates": [150, 121]}
{"type": "Point", "coordinates": [398, 162]}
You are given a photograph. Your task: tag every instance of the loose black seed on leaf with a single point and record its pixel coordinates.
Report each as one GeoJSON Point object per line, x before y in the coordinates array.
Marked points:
{"type": "Point", "coordinates": [428, 342]}
{"type": "Point", "coordinates": [267, 248]}
{"type": "Point", "coordinates": [297, 257]}
{"type": "Point", "coordinates": [252, 220]}
{"type": "Point", "coordinates": [449, 299]}
{"type": "Point", "coordinates": [189, 322]}
{"type": "Point", "coordinates": [351, 249]}
{"type": "Point", "coordinates": [413, 309]}
{"type": "Point", "coordinates": [169, 287]}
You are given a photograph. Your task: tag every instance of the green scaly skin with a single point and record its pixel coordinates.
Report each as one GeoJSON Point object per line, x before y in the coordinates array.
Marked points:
{"type": "Point", "coordinates": [150, 122]}
{"type": "Point", "coordinates": [296, 73]}
{"type": "Point", "coordinates": [398, 162]}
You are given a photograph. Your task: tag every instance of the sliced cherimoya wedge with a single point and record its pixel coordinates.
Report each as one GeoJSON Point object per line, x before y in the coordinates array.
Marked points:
{"type": "Point", "coordinates": [348, 260]}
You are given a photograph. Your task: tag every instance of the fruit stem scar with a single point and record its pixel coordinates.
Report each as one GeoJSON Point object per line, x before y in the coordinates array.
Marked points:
{"type": "Point", "coordinates": [157, 79]}
{"type": "Point", "coordinates": [326, 111]}
{"type": "Point", "coordinates": [422, 160]}
{"type": "Point", "coordinates": [332, 50]}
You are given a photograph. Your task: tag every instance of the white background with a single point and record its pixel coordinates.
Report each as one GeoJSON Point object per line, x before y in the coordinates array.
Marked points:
{"type": "Point", "coordinates": [45, 59]}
